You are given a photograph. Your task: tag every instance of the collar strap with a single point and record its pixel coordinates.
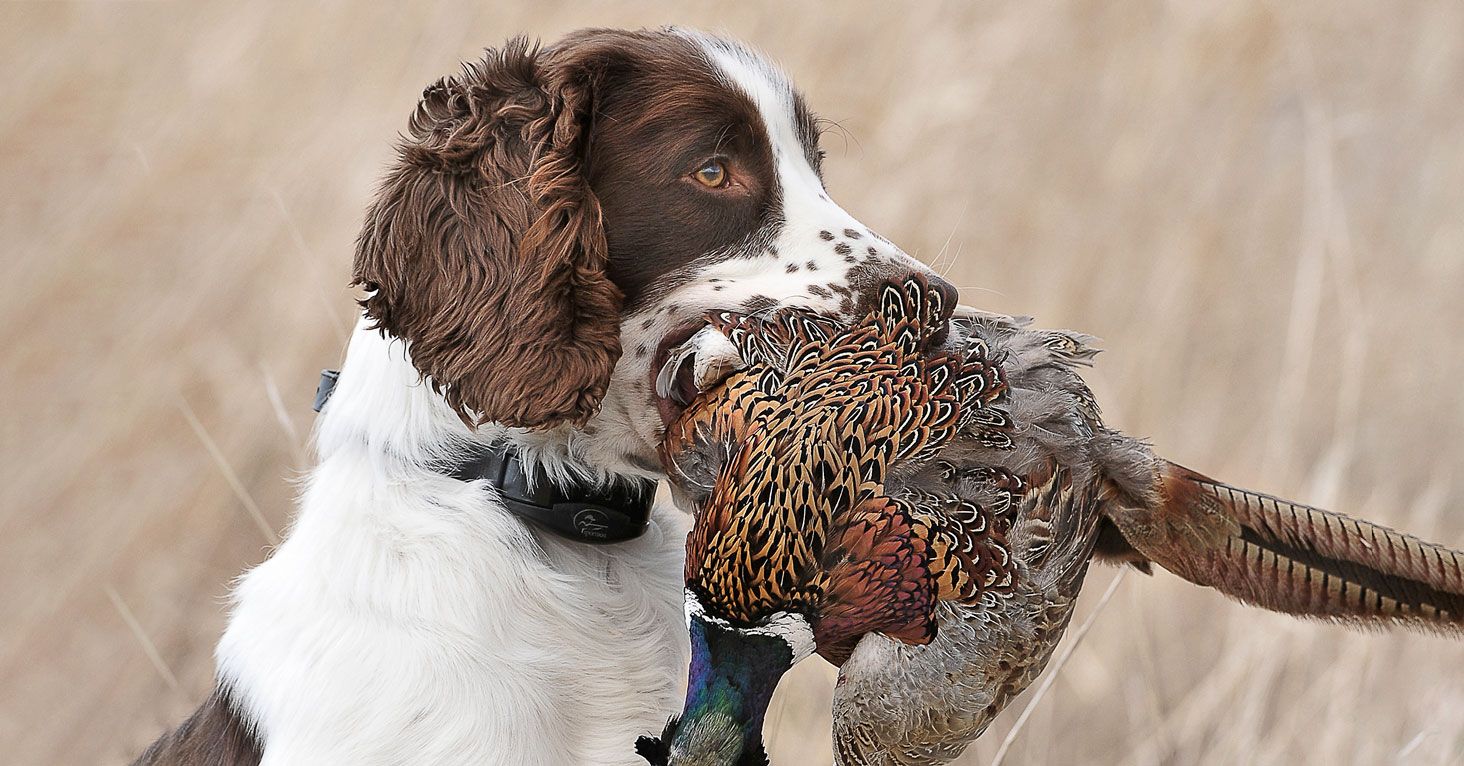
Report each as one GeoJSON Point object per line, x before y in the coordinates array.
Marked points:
{"type": "Point", "coordinates": [326, 387]}
{"type": "Point", "coordinates": [581, 511]}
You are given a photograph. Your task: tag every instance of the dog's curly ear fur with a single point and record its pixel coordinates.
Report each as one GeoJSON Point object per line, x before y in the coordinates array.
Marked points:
{"type": "Point", "coordinates": [484, 249]}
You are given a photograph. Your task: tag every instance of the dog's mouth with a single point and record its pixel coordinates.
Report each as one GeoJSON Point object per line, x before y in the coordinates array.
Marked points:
{"type": "Point", "coordinates": [690, 360]}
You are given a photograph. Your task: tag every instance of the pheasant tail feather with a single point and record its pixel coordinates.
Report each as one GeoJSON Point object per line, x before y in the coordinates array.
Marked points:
{"type": "Point", "coordinates": [1295, 558]}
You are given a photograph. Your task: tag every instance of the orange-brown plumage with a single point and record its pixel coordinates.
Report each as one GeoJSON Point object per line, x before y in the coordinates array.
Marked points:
{"type": "Point", "coordinates": [799, 516]}
{"type": "Point", "coordinates": [931, 513]}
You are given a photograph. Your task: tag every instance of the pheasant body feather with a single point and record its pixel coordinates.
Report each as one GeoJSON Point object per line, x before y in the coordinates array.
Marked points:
{"type": "Point", "coordinates": [930, 513]}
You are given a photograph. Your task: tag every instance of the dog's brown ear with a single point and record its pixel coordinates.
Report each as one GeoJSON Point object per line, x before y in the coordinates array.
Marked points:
{"type": "Point", "coordinates": [484, 249]}
{"type": "Point", "coordinates": [1293, 558]}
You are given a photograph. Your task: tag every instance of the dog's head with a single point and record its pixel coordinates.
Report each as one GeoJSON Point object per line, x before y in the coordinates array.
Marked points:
{"type": "Point", "coordinates": [559, 219]}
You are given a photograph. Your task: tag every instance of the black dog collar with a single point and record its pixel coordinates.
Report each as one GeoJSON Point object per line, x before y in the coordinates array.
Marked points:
{"type": "Point", "coordinates": [581, 511]}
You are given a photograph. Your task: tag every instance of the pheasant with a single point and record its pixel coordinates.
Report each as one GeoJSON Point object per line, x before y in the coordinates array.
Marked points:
{"type": "Point", "coordinates": [924, 517]}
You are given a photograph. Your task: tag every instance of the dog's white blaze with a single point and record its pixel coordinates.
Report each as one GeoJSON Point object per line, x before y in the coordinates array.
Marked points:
{"type": "Point", "coordinates": [807, 207]}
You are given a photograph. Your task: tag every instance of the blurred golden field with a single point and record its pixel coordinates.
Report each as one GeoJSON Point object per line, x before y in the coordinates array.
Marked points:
{"type": "Point", "coordinates": [1258, 207]}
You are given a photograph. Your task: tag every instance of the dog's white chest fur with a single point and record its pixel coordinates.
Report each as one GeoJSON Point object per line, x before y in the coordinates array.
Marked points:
{"type": "Point", "coordinates": [408, 618]}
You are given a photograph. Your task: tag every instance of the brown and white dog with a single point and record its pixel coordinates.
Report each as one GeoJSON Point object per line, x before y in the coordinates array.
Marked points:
{"type": "Point", "coordinates": [556, 221]}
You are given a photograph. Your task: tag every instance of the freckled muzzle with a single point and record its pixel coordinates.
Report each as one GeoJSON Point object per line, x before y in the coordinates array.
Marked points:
{"type": "Point", "coordinates": [844, 268]}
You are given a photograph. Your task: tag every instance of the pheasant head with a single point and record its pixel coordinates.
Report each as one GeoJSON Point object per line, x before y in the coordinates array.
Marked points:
{"type": "Point", "coordinates": [797, 547]}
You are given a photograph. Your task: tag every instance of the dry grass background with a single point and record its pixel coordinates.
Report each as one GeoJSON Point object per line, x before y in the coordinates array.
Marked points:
{"type": "Point", "coordinates": [1259, 207]}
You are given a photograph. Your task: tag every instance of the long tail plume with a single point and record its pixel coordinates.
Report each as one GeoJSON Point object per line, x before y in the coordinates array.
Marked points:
{"type": "Point", "coordinates": [1294, 558]}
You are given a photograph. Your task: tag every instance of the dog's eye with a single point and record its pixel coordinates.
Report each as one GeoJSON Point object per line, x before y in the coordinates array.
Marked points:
{"type": "Point", "coordinates": [712, 174]}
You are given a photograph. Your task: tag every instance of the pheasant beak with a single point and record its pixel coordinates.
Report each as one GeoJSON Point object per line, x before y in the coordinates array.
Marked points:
{"type": "Point", "coordinates": [733, 674]}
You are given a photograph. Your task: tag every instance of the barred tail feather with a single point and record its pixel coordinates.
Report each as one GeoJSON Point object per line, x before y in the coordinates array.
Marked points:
{"type": "Point", "coordinates": [1294, 558]}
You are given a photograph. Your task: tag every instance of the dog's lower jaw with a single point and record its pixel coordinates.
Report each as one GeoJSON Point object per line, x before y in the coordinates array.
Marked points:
{"type": "Point", "coordinates": [408, 618]}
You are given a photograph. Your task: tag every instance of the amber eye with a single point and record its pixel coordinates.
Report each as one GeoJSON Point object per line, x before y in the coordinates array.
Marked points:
{"type": "Point", "coordinates": [712, 174]}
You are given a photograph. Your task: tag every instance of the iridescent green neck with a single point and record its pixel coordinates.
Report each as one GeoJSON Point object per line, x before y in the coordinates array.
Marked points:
{"type": "Point", "coordinates": [733, 675]}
